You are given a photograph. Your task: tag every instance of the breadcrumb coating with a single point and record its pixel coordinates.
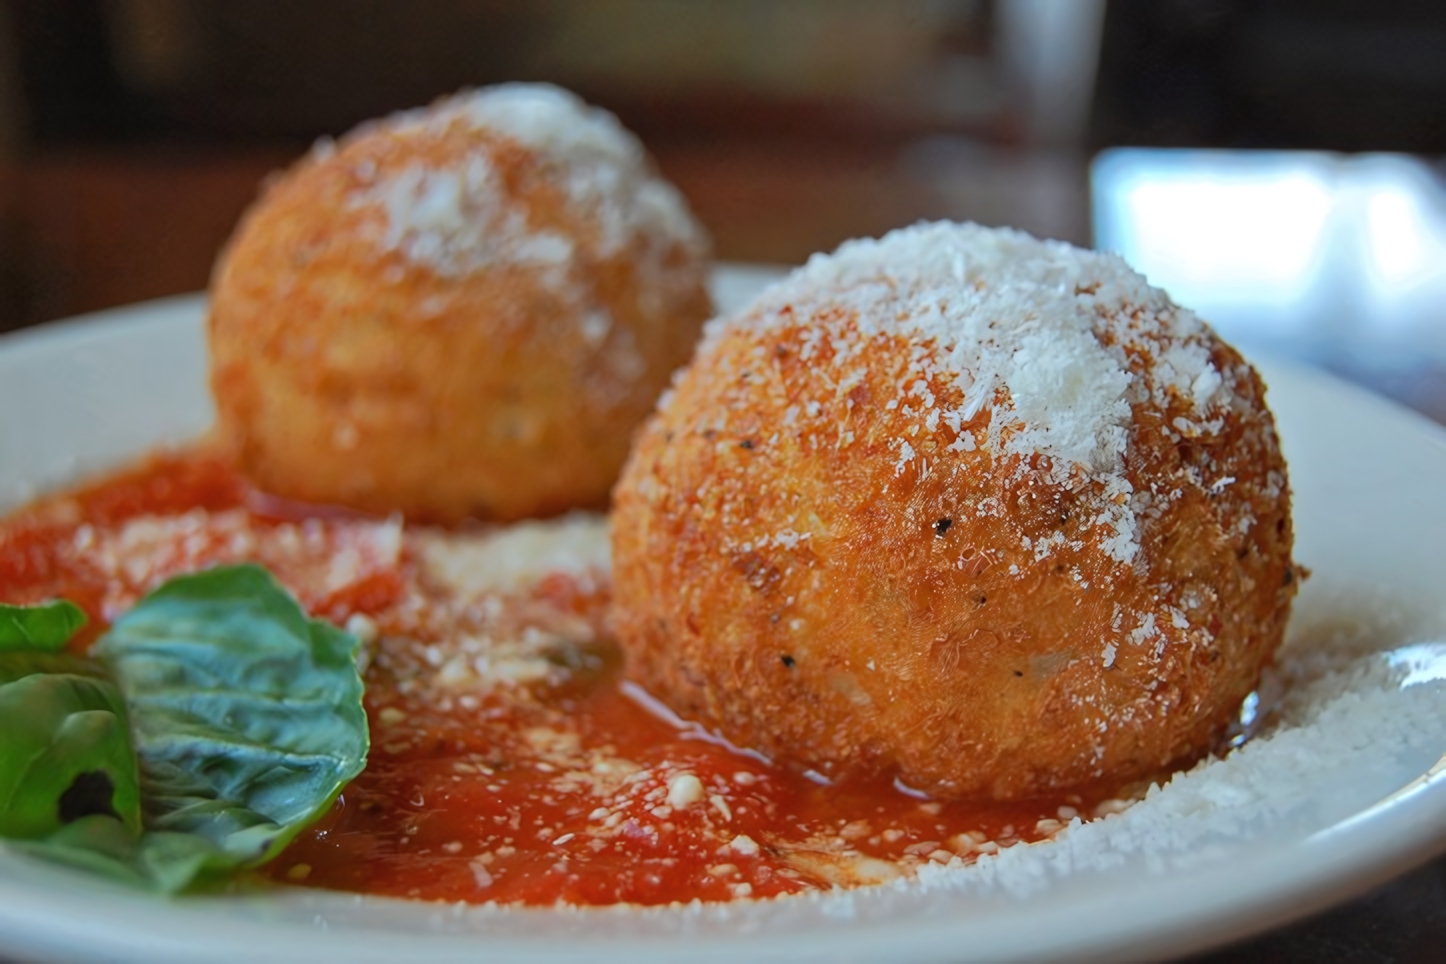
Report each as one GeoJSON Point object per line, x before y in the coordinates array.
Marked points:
{"type": "Point", "coordinates": [460, 311]}
{"type": "Point", "coordinates": [987, 512]}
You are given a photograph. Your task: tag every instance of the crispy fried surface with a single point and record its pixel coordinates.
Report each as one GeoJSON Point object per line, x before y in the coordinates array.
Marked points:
{"type": "Point", "coordinates": [956, 619]}
{"type": "Point", "coordinates": [352, 364]}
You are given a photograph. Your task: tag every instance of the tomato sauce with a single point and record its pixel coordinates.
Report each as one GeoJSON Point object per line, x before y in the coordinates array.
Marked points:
{"type": "Point", "coordinates": [558, 783]}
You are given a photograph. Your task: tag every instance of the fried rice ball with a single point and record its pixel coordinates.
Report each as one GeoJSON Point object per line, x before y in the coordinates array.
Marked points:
{"type": "Point", "coordinates": [460, 311]}
{"type": "Point", "coordinates": [986, 513]}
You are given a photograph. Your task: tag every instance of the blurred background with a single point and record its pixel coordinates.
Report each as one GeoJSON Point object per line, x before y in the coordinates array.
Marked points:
{"type": "Point", "coordinates": [1275, 164]}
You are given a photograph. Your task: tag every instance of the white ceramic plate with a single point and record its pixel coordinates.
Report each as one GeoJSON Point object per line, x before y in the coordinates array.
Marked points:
{"type": "Point", "coordinates": [1370, 484]}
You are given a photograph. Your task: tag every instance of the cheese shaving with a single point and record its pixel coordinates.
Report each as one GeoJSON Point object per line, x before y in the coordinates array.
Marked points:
{"type": "Point", "coordinates": [1039, 334]}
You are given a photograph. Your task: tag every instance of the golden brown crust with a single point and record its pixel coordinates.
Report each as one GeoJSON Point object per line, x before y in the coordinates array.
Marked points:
{"type": "Point", "coordinates": [792, 583]}
{"type": "Point", "coordinates": [347, 370]}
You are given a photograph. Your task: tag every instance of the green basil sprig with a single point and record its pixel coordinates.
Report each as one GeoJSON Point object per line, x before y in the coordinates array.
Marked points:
{"type": "Point", "coordinates": [246, 722]}
{"type": "Point", "coordinates": [65, 751]}
{"type": "Point", "coordinates": [46, 627]}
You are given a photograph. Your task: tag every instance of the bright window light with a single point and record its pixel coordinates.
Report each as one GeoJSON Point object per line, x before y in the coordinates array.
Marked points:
{"type": "Point", "coordinates": [1216, 229]}
{"type": "Point", "coordinates": [1282, 246]}
{"type": "Point", "coordinates": [1397, 237]}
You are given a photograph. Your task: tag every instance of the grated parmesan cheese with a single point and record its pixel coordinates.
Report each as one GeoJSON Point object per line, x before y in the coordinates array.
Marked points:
{"type": "Point", "coordinates": [460, 220]}
{"type": "Point", "coordinates": [457, 222]}
{"type": "Point", "coordinates": [1034, 332]}
{"type": "Point", "coordinates": [463, 217]}
{"type": "Point", "coordinates": [512, 558]}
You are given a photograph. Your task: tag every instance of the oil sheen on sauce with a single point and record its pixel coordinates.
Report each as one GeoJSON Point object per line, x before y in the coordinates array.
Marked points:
{"type": "Point", "coordinates": [510, 760]}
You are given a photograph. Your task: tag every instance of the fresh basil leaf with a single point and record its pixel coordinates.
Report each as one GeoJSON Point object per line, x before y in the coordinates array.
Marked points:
{"type": "Point", "coordinates": [97, 843]}
{"type": "Point", "coordinates": [246, 715]}
{"type": "Point", "coordinates": [65, 749]}
{"type": "Point", "coordinates": [18, 664]}
{"type": "Point", "coordinates": [167, 862]}
{"type": "Point", "coordinates": [47, 626]}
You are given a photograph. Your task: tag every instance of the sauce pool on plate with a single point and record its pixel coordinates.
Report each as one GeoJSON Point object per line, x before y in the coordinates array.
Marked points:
{"type": "Point", "coordinates": [510, 760]}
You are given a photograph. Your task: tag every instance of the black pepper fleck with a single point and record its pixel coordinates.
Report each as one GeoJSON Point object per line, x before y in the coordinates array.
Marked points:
{"type": "Point", "coordinates": [746, 444]}
{"type": "Point", "coordinates": [942, 526]}
{"type": "Point", "coordinates": [1018, 673]}
{"type": "Point", "coordinates": [787, 661]}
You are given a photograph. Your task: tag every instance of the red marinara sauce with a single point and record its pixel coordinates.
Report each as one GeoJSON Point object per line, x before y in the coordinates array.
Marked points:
{"type": "Point", "coordinates": [510, 761]}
